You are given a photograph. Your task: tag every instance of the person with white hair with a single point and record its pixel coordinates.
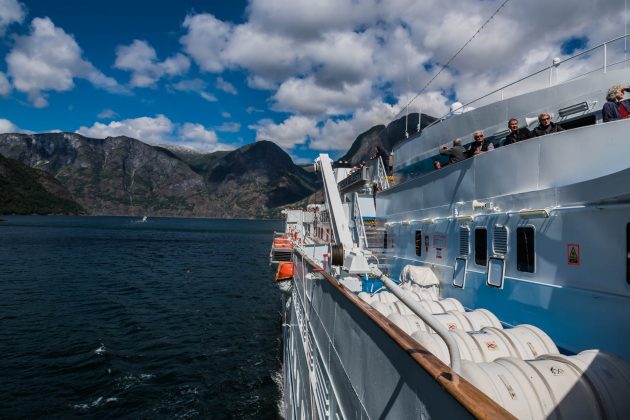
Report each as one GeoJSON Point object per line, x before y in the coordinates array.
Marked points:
{"type": "Point", "coordinates": [616, 108]}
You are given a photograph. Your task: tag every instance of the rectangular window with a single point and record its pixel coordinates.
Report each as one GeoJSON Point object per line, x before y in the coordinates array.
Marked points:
{"type": "Point", "coordinates": [525, 249]}
{"type": "Point", "coordinates": [481, 246]}
{"type": "Point", "coordinates": [419, 243]}
{"type": "Point", "coordinates": [385, 240]}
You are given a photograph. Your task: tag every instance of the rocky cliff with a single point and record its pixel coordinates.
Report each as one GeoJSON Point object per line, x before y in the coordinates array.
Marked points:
{"type": "Point", "coordinates": [24, 190]}
{"type": "Point", "coordinates": [117, 175]}
{"type": "Point", "coordinates": [123, 176]}
{"type": "Point", "coordinates": [387, 137]}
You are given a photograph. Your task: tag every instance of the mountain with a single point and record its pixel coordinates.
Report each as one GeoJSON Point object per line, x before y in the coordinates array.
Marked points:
{"type": "Point", "coordinates": [117, 175]}
{"type": "Point", "coordinates": [386, 137]}
{"type": "Point", "coordinates": [25, 190]}
{"type": "Point", "coordinates": [259, 175]}
{"type": "Point", "coordinates": [124, 176]}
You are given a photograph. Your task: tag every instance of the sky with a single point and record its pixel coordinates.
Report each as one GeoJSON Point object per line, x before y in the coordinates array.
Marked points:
{"type": "Point", "coordinates": [309, 75]}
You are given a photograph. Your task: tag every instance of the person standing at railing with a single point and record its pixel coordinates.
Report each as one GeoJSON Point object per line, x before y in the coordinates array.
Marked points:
{"type": "Point", "coordinates": [616, 108]}
{"type": "Point", "coordinates": [455, 154]}
{"type": "Point", "coordinates": [479, 145]}
{"type": "Point", "coordinates": [516, 134]}
{"type": "Point", "coordinates": [546, 126]}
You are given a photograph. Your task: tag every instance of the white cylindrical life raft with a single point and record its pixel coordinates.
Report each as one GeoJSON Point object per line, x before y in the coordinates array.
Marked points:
{"type": "Point", "coordinates": [466, 321]}
{"type": "Point", "coordinates": [590, 385]}
{"type": "Point", "coordinates": [523, 342]}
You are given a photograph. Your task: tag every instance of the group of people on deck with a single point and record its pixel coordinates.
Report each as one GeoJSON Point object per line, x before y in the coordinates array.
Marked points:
{"type": "Point", "coordinates": [615, 108]}
{"type": "Point", "coordinates": [457, 153]}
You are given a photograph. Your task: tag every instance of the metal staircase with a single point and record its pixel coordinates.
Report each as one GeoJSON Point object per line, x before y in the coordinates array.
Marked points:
{"type": "Point", "coordinates": [375, 234]}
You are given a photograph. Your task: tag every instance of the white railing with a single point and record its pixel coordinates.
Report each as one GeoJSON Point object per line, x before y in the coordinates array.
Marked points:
{"type": "Point", "coordinates": [553, 70]}
{"type": "Point", "coordinates": [358, 223]}
{"type": "Point", "coordinates": [381, 175]}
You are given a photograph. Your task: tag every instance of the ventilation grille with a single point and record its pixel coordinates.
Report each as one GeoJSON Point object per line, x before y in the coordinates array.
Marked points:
{"type": "Point", "coordinates": [464, 241]}
{"type": "Point", "coordinates": [499, 242]}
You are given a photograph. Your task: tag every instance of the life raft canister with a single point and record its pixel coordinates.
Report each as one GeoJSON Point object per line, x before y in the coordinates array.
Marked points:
{"type": "Point", "coordinates": [285, 271]}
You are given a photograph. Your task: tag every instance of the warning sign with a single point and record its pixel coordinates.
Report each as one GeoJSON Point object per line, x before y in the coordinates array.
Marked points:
{"type": "Point", "coordinates": [573, 254]}
{"type": "Point", "coordinates": [439, 243]}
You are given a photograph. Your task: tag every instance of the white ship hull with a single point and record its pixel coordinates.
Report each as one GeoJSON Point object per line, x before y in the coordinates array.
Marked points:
{"type": "Point", "coordinates": [537, 232]}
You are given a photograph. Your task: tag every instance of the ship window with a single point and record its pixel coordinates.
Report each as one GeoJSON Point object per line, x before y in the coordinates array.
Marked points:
{"type": "Point", "coordinates": [385, 240]}
{"type": "Point", "coordinates": [525, 249]}
{"type": "Point", "coordinates": [419, 243]}
{"type": "Point", "coordinates": [628, 253]}
{"type": "Point", "coordinates": [481, 246]}
{"type": "Point", "coordinates": [579, 122]}
{"type": "Point", "coordinates": [464, 241]}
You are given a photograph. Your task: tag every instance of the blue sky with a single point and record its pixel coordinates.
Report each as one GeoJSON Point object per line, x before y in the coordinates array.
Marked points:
{"type": "Point", "coordinates": [308, 74]}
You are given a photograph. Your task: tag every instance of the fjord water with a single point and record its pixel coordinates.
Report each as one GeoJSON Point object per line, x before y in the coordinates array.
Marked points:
{"type": "Point", "coordinates": [111, 317]}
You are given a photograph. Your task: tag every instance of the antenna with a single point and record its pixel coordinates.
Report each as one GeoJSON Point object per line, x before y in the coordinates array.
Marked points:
{"type": "Point", "coordinates": [450, 60]}
{"type": "Point", "coordinates": [407, 107]}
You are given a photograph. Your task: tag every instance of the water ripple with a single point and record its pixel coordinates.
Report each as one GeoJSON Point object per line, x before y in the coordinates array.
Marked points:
{"type": "Point", "coordinates": [105, 317]}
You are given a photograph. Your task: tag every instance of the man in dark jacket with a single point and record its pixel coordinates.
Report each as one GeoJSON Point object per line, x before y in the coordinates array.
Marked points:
{"type": "Point", "coordinates": [457, 153]}
{"type": "Point", "coordinates": [480, 145]}
{"type": "Point", "coordinates": [516, 134]}
{"type": "Point", "coordinates": [616, 108]}
{"type": "Point", "coordinates": [545, 126]}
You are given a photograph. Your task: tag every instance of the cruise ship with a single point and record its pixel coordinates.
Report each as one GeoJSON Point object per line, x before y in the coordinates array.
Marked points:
{"type": "Point", "coordinates": [494, 287]}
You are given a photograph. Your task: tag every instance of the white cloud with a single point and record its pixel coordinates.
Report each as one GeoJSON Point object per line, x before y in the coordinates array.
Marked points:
{"type": "Point", "coordinates": [270, 57]}
{"type": "Point", "coordinates": [148, 129]}
{"type": "Point", "coordinates": [231, 127]}
{"type": "Point", "coordinates": [304, 19]}
{"type": "Point", "coordinates": [339, 133]}
{"type": "Point", "coordinates": [205, 41]}
{"type": "Point", "coordinates": [208, 96]}
{"type": "Point", "coordinates": [294, 130]}
{"type": "Point", "coordinates": [107, 114]}
{"type": "Point", "coordinates": [11, 11]}
{"type": "Point", "coordinates": [200, 138]}
{"type": "Point", "coordinates": [7, 126]}
{"type": "Point", "coordinates": [5, 86]}
{"type": "Point", "coordinates": [226, 114]}
{"type": "Point", "coordinates": [196, 86]}
{"type": "Point", "coordinates": [226, 86]}
{"type": "Point", "coordinates": [307, 53]}
{"type": "Point", "coordinates": [307, 97]}
{"type": "Point", "coordinates": [158, 130]}
{"type": "Point", "coordinates": [141, 60]}
{"type": "Point", "coordinates": [50, 59]}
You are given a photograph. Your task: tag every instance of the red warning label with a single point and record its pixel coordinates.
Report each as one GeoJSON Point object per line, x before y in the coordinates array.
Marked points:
{"type": "Point", "coordinates": [573, 254]}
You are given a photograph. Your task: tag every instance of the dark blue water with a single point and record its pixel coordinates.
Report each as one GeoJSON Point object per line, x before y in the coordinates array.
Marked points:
{"type": "Point", "coordinates": [111, 318]}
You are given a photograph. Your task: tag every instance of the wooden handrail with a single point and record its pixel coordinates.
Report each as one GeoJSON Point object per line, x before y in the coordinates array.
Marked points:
{"type": "Point", "coordinates": [476, 402]}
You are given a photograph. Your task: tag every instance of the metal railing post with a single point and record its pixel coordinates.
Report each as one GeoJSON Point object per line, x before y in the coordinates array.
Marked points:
{"type": "Point", "coordinates": [605, 52]}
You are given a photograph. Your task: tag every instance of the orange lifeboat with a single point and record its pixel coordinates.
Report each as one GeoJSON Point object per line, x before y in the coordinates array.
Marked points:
{"type": "Point", "coordinates": [280, 243]}
{"type": "Point", "coordinates": [285, 271]}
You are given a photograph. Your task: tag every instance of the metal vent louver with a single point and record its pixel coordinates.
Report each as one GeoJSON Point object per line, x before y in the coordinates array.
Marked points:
{"type": "Point", "coordinates": [499, 241]}
{"type": "Point", "coordinates": [464, 241]}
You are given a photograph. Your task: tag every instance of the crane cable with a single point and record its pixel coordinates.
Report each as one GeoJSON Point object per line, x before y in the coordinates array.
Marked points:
{"type": "Point", "coordinates": [451, 59]}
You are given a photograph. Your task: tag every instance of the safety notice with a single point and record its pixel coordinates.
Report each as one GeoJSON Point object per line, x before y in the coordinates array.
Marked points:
{"type": "Point", "coordinates": [573, 254]}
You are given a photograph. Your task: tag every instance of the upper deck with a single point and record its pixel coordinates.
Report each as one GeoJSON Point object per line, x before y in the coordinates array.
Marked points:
{"type": "Point", "coordinates": [572, 104]}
